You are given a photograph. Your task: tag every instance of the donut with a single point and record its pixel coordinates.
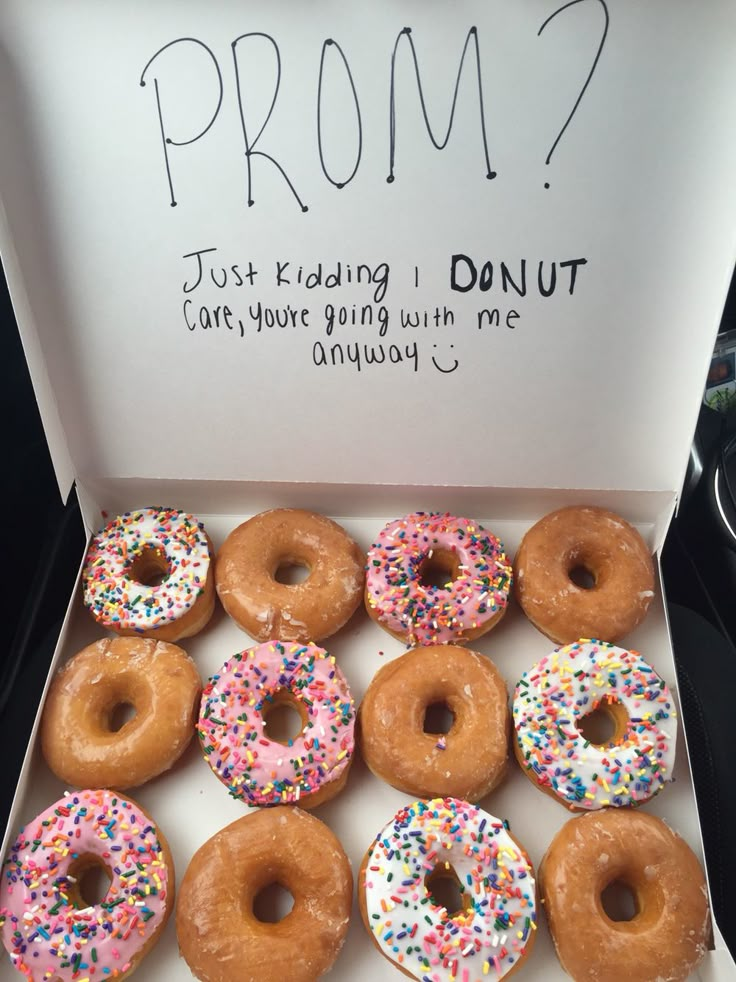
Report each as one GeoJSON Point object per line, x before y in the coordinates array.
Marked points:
{"type": "Point", "coordinates": [492, 932]}
{"type": "Point", "coordinates": [309, 769]}
{"type": "Point", "coordinates": [471, 758]}
{"type": "Point", "coordinates": [220, 936]}
{"type": "Point", "coordinates": [570, 546]}
{"type": "Point", "coordinates": [436, 579]}
{"type": "Point", "coordinates": [670, 930]}
{"type": "Point", "coordinates": [78, 735]}
{"type": "Point", "coordinates": [550, 704]}
{"type": "Point", "coordinates": [148, 572]}
{"type": "Point", "coordinates": [264, 608]}
{"type": "Point", "coordinates": [46, 922]}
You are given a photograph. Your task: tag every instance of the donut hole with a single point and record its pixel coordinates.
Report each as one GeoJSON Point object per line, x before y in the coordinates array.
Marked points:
{"type": "Point", "coordinates": [120, 715]}
{"type": "Point", "coordinates": [283, 718]}
{"type": "Point", "coordinates": [438, 718]}
{"type": "Point", "coordinates": [439, 569]}
{"type": "Point", "coordinates": [150, 567]}
{"type": "Point", "coordinates": [619, 902]}
{"type": "Point", "coordinates": [445, 890]}
{"type": "Point", "coordinates": [582, 577]}
{"type": "Point", "coordinates": [291, 572]}
{"type": "Point", "coordinates": [89, 882]}
{"type": "Point", "coordinates": [605, 725]}
{"type": "Point", "coordinates": [272, 903]}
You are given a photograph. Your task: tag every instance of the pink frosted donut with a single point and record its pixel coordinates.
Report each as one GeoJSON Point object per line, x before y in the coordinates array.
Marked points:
{"type": "Point", "coordinates": [308, 770]}
{"type": "Point", "coordinates": [436, 579]}
{"type": "Point", "coordinates": [45, 923]}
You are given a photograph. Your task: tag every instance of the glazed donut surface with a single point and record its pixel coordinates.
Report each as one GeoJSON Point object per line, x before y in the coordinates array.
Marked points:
{"type": "Point", "coordinates": [128, 556]}
{"type": "Point", "coordinates": [157, 679]}
{"type": "Point", "coordinates": [467, 762]}
{"type": "Point", "coordinates": [314, 766]}
{"type": "Point", "coordinates": [471, 563]}
{"type": "Point", "coordinates": [219, 935]}
{"type": "Point", "coordinates": [309, 611]}
{"type": "Point", "coordinates": [445, 838]}
{"type": "Point", "coordinates": [554, 697]}
{"type": "Point", "coordinates": [608, 550]}
{"type": "Point", "coordinates": [47, 927]}
{"type": "Point", "coordinates": [669, 934]}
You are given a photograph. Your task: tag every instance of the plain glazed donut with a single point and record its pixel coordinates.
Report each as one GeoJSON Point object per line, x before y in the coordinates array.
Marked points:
{"type": "Point", "coordinates": [669, 934]}
{"type": "Point", "coordinates": [78, 741]}
{"type": "Point", "coordinates": [470, 563]}
{"type": "Point", "coordinates": [310, 611]}
{"type": "Point", "coordinates": [309, 769]}
{"type": "Point", "coordinates": [555, 696]}
{"type": "Point", "coordinates": [220, 936]}
{"type": "Point", "coordinates": [47, 926]}
{"type": "Point", "coordinates": [493, 933]}
{"type": "Point", "coordinates": [148, 572]}
{"type": "Point", "coordinates": [598, 544]}
{"type": "Point", "coordinates": [467, 762]}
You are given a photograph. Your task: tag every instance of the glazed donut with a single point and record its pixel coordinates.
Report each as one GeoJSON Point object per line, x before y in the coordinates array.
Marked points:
{"type": "Point", "coordinates": [446, 839]}
{"type": "Point", "coordinates": [220, 936]}
{"type": "Point", "coordinates": [554, 697]}
{"type": "Point", "coordinates": [310, 611]}
{"type": "Point", "coordinates": [148, 572]}
{"type": "Point", "coordinates": [473, 574]}
{"type": "Point", "coordinates": [602, 547]}
{"type": "Point", "coordinates": [669, 933]}
{"type": "Point", "coordinates": [78, 738]}
{"type": "Point", "coordinates": [47, 926]}
{"type": "Point", "coordinates": [308, 770]}
{"type": "Point", "coordinates": [467, 762]}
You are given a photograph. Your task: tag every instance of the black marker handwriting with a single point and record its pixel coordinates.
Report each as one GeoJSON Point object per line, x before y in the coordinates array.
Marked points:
{"type": "Point", "coordinates": [166, 140]}
{"type": "Point", "coordinates": [439, 145]}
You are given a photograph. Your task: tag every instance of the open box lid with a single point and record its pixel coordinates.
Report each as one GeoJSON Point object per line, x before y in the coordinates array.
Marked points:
{"type": "Point", "coordinates": [156, 220]}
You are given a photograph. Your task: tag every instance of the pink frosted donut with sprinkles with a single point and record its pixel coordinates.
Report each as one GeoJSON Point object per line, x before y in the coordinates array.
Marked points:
{"type": "Point", "coordinates": [47, 926]}
{"type": "Point", "coordinates": [433, 578]}
{"type": "Point", "coordinates": [493, 931]}
{"type": "Point", "coordinates": [563, 707]}
{"type": "Point", "coordinates": [149, 573]}
{"type": "Point", "coordinates": [307, 770]}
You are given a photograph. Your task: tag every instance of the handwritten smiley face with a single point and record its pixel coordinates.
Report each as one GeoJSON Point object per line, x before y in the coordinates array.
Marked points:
{"type": "Point", "coordinates": [445, 371]}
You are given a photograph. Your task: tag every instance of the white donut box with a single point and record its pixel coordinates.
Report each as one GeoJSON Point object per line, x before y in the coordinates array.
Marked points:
{"type": "Point", "coordinates": [161, 381]}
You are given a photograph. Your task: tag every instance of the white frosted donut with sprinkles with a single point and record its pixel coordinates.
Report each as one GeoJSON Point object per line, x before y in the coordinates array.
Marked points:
{"type": "Point", "coordinates": [434, 578]}
{"type": "Point", "coordinates": [551, 702]}
{"type": "Point", "coordinates": [445, 838]}
{"type": "Point", "coordinates": [307, 770]}
{"type": "Point", "coordinates": [47, 926]}
{"type": "Point", "coordinates": [148, 572]}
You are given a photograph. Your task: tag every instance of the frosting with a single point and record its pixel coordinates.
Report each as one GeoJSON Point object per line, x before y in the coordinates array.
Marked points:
{"type": "Point", "coordinates": [573, 681]}
{"type": "Point", "coordinates": [47, 935]}
{"type": "Point", "coordinates": [486, 939]}
{"type": "Point", "coordinates": [429, 614]}
{"type": "Point", "coordinates": [121, 603]}
{"type": "Point", "coordinates": [232, 729]}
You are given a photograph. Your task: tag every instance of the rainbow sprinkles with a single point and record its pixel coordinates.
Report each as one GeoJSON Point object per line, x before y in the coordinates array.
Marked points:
{"type": "Point", "coordinates": [46, 927]}
{"type": "Point", "coordinates": [495, 928]}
